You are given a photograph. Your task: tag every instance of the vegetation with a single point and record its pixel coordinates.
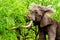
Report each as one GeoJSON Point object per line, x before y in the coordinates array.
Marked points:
{"type": "Point", "coordinates": [13, 12]}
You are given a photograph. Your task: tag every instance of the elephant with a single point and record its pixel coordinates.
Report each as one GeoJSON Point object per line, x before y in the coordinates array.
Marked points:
{"type": "Point", "coordinates": [40, 15]}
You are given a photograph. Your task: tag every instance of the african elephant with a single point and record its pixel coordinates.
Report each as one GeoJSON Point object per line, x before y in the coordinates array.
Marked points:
{"type": "Point", "coordinates": [40, 15]}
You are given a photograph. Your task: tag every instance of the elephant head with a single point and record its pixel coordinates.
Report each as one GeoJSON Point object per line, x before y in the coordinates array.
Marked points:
{"type": "Point", "coordinates": [41, 14]}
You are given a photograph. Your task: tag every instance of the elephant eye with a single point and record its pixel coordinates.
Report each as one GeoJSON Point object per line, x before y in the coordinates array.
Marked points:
{"type": "Point", "coordinates": [36, 11]}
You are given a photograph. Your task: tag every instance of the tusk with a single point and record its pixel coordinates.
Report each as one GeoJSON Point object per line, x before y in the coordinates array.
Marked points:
{"type": "Point", "coordinates": [28, 26]}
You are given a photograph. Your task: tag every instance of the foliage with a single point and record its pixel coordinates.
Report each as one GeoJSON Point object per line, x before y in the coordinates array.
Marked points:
{"type": "Point", "coordinates": [13, 12]}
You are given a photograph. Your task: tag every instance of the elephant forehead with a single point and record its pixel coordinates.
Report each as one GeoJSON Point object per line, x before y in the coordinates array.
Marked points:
{"type": "Point", "coordinates": [34, 9]}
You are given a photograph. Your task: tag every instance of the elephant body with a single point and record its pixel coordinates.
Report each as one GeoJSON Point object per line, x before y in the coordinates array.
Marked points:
{"type": "Point", "coordinates": [47, 26]}
{"type": "Point", "coordinates": [40, 15]}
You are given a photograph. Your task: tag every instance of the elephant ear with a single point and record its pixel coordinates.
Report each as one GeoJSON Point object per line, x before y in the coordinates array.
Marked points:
{"type": "Point", "coordinates": [46, 20]}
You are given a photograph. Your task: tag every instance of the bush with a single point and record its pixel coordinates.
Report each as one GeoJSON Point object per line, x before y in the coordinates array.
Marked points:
{"type": "Point", "coordinates": [13, 12]}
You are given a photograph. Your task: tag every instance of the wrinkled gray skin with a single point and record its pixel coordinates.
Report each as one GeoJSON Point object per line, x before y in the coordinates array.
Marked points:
{"type": "Point", "coordinates": [58, 31]}
{"type": "Point", "coordinates": [46, 25]}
